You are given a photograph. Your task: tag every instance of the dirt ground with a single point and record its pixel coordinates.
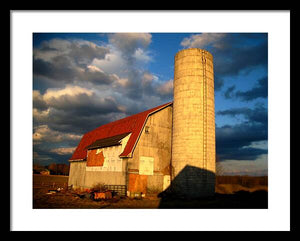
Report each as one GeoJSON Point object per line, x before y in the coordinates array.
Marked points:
{"type": "Point", "coordinates": [227, 196]}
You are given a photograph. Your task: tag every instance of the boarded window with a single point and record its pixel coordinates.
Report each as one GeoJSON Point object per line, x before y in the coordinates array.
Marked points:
{"type": "Point", "coordinates": [95, 158]}
{"type": "Point", "coordinates": [137, 183]}
{"type": "Point", "coordinates": [146, 165]}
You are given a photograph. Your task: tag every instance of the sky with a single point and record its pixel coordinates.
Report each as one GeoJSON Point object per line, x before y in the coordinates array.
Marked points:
{"type": "Point", "coordinates": [84, 80]}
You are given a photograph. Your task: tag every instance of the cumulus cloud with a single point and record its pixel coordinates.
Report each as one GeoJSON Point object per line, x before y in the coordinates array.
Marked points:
{"type": "Point", "coordinates": [63, 150]}
{"type": "Point", "coordinates": [112, 63]}
{"type": "Point", "coordinates": [43, 133]}
{"type": "Point", "coordinates": [69, 90]}
{"type": "Point", "coordinates": [129, 43]}
{"type": "Point", "coordinates": [79, 51]}
{"type": "Point", "coordinates": [69, 109]}
{"type": "Point", "coordinates": [204, 39]}
{"type": "Point", "coordinates": [166, 88]}
{"type": "Point", "coordinates": [69, 60]}
{"type": "Point", "coordinates": [38, 101]}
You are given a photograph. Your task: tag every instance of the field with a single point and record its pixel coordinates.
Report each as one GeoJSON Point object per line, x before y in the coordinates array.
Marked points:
{"type": "Point", "coordinates": [49, 181]}
{"type": "Point", "coordinates": [231, 192]}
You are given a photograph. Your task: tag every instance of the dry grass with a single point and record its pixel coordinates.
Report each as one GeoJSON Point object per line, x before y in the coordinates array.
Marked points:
{"type": "Point", "coordinates": [233, 188]}
{"type": "Point", "coordinates": [227, 196]}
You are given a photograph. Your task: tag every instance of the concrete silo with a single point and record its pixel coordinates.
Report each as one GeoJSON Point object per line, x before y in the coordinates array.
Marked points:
{"type": "Point", "coordinates": [193, 135]}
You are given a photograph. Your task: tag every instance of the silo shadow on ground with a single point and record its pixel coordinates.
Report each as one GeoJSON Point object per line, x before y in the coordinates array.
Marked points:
{"type": "Point", "coordinates": [171, 198]}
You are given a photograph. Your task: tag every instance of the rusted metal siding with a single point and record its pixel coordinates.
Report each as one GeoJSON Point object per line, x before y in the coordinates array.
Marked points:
{"type": "Point", "coordinates": [137, 183]}
{"type": "Point", "coordinates": [95, 158]}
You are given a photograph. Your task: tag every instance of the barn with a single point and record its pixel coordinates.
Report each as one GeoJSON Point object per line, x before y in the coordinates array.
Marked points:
{"type": "Point", "coordinates": [133, 152]}
{"type": "Point", "coordinates": [171, 146]}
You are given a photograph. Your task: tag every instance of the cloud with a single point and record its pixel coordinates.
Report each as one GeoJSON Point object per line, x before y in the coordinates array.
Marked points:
{"type": "Point", "coordinates": [129, 43]}
{"type": "Point", "coordinates": [69, 60]}
{"type": "Point", "coordinates": [59, 69]}
{"type": "Point", "coordinates": [218, 83]}
{"type": "Point", "coordinates": [43, 133]}
{"type": "Point", "coordinates": [80, 52]}
{"type": "Point", "coordinates": [257, 115]}
{"type": "Point", "coordinates": [63, 150]}
{"type": "Point", "coordinates": [235, 142]}
{"type": "Point", "coordinates": [166, 88]}
{"type": "Point", "coordinates": [69, 109]}
{"type": "Point", "coordinates": [233, 53]}
{"type": "Point", "coordinates": [45, 156]}
{"type": "Point", "coordinates": [69, 90]}
{"type": "Point", "coordinates": [260, 90]}
{"type": "Point", "coordinates": [83, 52]}
{"type": "Point", "coordinates": [204, 39]}
{"type": "Point", "coordinates": [141, 55]}
{"type": "Point", "coordinates": [79, 101]}
{"type": "Point", "coordinates": [38, 101]}
{"type": "Point", "coordinates": [229, 93]}
{"type": "Point", "coordinates": [112, 63]}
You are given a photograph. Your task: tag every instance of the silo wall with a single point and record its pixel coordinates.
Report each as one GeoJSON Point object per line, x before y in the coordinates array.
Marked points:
{"type": "Point", "coordinates": [193, 135]}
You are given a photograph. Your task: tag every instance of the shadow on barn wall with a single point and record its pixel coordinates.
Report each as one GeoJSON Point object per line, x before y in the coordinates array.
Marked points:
{"type": "Point", "coordinates": [174, 198]}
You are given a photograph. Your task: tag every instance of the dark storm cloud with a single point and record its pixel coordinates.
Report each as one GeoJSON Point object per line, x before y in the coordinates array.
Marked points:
{"type": "Point", "coordinates": [219, 83]}
{"type": "Point", "coordinates": [70, 109]}
{"type": "Point", "coordinates": [68, 61]}
{"type": "Point", "coordinates": [84, 105]}
{"type": "Point", "coordinates": [60, 69]}
{"type": "Point", "coordinates": [233, 141]}
{"type": "Point", "coordinates": [231, 62]}
{"type": "Point", "coordinates": [228, 94]}
{"type": "Point", "coordinates": [141, 85]}
{"type": "Point", "coordinates": [96, 77]}
{"type": "Point", "coordinates": [260, 90]}
{"type": "Point", "coordinates": [134, 88]}
{"type": "Point", "coordinates": [46, 156]}
{"type": "Point", "coordinates": [84, 53]}
{"type": "Point", "coordinates": [38, 101]}
{"type": "Point", "coordinates": [67, 121]}
{"type": "Point", "coordinates": [233, 53]}
{"type": "Point", "coordinates": [129, 43]}
{"type": "Point", "coordinates": [80, 51]}
{"type": "Point", "coordinates": [259, 114]}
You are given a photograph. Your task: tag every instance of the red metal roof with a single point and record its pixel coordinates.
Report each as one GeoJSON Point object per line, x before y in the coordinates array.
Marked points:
{"type": "Point", "coordinates": [132, 124]}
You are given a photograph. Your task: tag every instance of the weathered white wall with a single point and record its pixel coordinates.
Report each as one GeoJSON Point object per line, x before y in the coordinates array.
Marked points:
{"type": "Point", "coordinates": [113, 171]}
{"type": "Point", "coordinates": [77, 174]}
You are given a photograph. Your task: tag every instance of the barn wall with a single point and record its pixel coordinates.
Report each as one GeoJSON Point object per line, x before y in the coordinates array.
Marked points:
{"type": "Point", "coordinates": [154, 145]}
{"type": "Point", "coordinates": [113, 170]}
{"type": "Point", "coordinates": [77, 174]}
{"type": "Point", "coordinates": [107, 178]}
